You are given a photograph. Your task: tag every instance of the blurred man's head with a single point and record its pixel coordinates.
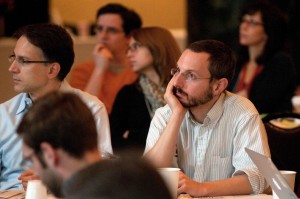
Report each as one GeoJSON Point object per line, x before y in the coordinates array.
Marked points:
{"type": "Point", "coordinates": [58, 132]}
{"type": "Point", "coordinates": [126, 178]}
{"type": "Point", "coordinates": [114, 24]}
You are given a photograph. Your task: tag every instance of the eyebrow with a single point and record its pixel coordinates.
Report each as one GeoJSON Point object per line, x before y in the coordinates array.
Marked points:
{"type": "Point", "coordinates": [103, 26]}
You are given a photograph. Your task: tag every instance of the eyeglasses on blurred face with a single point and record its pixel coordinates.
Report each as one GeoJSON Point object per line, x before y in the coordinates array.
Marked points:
{"type": "Point", "coordinates": [134, 47]}
{"type": "Point", "coordinates": [188, 76]}
{"type": "Point", "coordinates": [251, 22]}
{"type": "Point", "coordinates": [107, 30]}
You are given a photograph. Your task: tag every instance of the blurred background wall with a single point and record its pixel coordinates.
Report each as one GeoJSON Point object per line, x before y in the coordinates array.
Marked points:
{"type": "Point", "coordinates": [189, 20]}
{"type": "Point", "coordinates": [170, 14]}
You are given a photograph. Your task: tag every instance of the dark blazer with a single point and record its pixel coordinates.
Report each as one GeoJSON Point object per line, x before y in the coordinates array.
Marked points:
{"type": "Point", "coordinates": [130, 113]}
{"type": "Point", "coordinates": [274, 87]}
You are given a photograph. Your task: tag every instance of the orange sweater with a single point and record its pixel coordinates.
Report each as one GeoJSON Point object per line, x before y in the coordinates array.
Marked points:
{"type": "Point", "coordinates": [81, 74]}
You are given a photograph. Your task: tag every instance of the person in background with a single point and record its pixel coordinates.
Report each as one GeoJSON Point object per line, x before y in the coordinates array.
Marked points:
{"type": "Point", "coordinates": [265, 74]}
{"type": "Point", "coordinates": [40, 61]}
{"type": "Point", "coordinates": [204, 129]}
{"type": "Point", "coordinates": [125, 177]}
{"type": "Point", "coordinates": [110, 69]}
{"type": "Point", "coordinates": [57, 141]}
{"type": "Point", "coordinates": [136, 103]}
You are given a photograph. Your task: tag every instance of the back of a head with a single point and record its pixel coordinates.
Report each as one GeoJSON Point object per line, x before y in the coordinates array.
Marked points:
{"type": "Point", "coordinates": [121, 178]}
{"type": "Point", "coordinates": [131, 20]}
{"type": "Point", "coordinates": [221, 60]}
{"type": "Point", "coordinates": [55, 43]}
{"type": "Point", "coordinates": [61, 119]}
{"type": "Point", "coordinates": [163, 47]}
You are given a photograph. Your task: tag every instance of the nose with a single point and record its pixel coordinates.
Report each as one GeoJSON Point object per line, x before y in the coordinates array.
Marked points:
{"type": "Point", "coordinates": [13, 68]}
{"type": "Point", "coordinates": [178, 80]}
{"type": "Point", "coordinates": [102, 34]}
{"type": "Point", "coordinates": [129, 53]}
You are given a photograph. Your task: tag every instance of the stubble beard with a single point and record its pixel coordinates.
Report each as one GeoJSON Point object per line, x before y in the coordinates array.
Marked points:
{"type": "Point", "coordinates": [196, 101]}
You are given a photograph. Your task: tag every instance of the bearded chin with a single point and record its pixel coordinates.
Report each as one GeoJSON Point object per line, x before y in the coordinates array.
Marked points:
{"type": "Point", "coordinates": [194, 102]}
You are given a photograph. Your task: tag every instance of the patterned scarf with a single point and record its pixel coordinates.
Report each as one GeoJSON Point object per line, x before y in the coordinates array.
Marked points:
{"type": "Point", "coordinates": [154, 94]}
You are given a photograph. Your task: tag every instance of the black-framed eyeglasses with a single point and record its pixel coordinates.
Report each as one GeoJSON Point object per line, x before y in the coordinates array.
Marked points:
{"type": "Point", "coordinates": [23, 61]}
{"type": "Point", "coordinates": [252, 22]}
{"type": "Point", "coordinates": [188, 76]}
{"type": "Point", "coordinates": [108, 30]}
{"type": "Point", "coordinates": [27, 161]}
{"type": "Point", "coordinates": [134, 47]}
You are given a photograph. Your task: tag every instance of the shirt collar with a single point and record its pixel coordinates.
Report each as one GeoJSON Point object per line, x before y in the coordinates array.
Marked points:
{"type": "Point", "coordinates": [214, 114]}
{"type": "Point", "coordinates": [217, 110]}
{"type": "Point", "coordinates": [25, 103]}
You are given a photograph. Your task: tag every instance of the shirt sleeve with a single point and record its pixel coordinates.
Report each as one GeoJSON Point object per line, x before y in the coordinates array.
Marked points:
{"type": "Point", "coordinates": [157, 125]}
{"type": "Point", "coordinates": [251, 134]}
{"type": "Point", "coordinates": [102, 123]}
{"type": "Point", "coordinates": [10, 151]}
{"type": "Point", "coordinates": [101, 119]}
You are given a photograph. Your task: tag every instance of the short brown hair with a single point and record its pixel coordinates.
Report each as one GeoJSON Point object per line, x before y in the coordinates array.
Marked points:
{"type": "Point", "coordinates": [61, 119]}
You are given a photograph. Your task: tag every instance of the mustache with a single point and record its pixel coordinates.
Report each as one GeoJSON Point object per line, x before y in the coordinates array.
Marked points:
{"type": "Point", "coordinates": [179, 90]}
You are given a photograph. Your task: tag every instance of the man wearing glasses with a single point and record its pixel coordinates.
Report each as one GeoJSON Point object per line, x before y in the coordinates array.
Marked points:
{"type": "Point", "coordinates": [41, 60]}
{"type": "Point", "coordinates": [204, 129]}
{"type": "Point", "coordinates": [110, 69]}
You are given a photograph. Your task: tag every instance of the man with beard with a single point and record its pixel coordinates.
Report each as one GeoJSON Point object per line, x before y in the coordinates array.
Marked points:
{"type": "Point", "coordinates": [204, 129]}
{"type": "Point", "coordinates": [59, 139]}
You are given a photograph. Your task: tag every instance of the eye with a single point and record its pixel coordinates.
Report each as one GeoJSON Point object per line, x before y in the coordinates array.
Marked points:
{"type": "Point", "coordinates": [190, 76]}
{"type": "Point", "coordinates": [21, 60]}
{"type": "Point", "coordinates": [175, 71]}
{"type": "Point", "coordinates": [112, 30]}
{"type": "Point", "coordinates": [99, 28]}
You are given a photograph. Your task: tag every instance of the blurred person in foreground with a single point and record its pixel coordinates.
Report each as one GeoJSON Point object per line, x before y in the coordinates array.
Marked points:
{"type": "Point", "coordinates": [265, 73]}
{"type": "Point", "coordinates": [126, 178]}
{"type": "Point", "coordinates": [40, 61]}
{"type": "Point", "coordinates": [136, 103]}
{"type": "Point", "coordinates": [110, 69]}
{"type": "Point", "coordinates": [57, 141]}
{"type": "Point", "coordinates": [204, 129]}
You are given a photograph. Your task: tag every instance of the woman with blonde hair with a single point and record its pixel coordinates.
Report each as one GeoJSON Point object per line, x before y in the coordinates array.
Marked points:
{"type": "Point", "coordinates": [153, 51]}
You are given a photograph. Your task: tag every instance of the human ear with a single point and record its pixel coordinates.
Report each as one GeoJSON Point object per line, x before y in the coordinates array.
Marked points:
{"type": "Point", "coordinates": [49, 154]}
{"type": "Point", "coordinates": [220, 86]}
{"type": "Point", "coordinates": [53, 70]}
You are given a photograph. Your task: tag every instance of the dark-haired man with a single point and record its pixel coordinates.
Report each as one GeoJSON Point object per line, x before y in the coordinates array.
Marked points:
{"type": "Point", "coordinates": [204, 129]}
{"type": "Point", "coordinates": [57, 141]}
{"type": "Point", "coordinates": [41, 60]}
{"type": "Point", "coordinates": [110, 69]}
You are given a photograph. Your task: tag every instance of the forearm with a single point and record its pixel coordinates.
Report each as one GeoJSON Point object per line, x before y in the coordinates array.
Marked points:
{"type": "Point", "coordinates": [162, 153]}
{"type": "Point", "coordinates": [237, 185]}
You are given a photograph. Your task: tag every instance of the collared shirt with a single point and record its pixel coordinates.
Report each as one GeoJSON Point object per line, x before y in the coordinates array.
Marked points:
{"type": "Point", "coordinates": [11, 113]}
{"type": "Point", "coordinates": [215, 150]}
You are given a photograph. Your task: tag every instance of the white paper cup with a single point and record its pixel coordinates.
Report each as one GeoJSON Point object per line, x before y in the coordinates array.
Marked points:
{"type": "Point", "coordinates": [296, 103]}
{"type": "Point", "coordinates": [170, 176]}
{"type": "Point", "coordinates": [36, 190]}
{"type": "Point", "coordinates": [289, 176]}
